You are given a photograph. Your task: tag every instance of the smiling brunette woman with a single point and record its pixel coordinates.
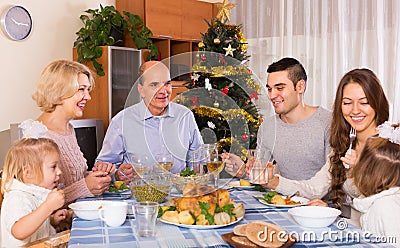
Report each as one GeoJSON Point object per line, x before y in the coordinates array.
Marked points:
{"type": "Point", "coordinates": [360, 103]}
{"type": "Point", "coordinates": [61, 93]}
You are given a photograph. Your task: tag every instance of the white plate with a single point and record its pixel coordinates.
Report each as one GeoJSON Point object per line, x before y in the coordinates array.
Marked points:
{"type": "Point", "coordinates": [125, 191]}
{"type": "Point", "coordinates": [302, 200]}
{"type": "Point", "coordinates": [236, 184]}
{"type": "Point", "coordinates": [201, 226]}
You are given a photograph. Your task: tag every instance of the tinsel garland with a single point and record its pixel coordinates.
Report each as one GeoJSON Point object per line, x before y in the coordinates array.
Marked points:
{"type": "Point", "coordinates": [221, 71]}
{"type": "Point", "coordinates": [253, 84]}
{"type": "Point", "coordinates": [227, 115]}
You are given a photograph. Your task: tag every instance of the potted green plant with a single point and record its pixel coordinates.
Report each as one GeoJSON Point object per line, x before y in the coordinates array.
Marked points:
{"type": "Point", "coordinates": [140, 34]}
{"type": "Point", "coordinates": [97, 32]}
{"type": "Point", "coordinates": [100, 27]}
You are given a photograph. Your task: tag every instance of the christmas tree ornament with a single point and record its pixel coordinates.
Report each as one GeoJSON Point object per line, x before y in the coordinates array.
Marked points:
{"type": "Point", "coordinates": [229, 50]}
{"type": "Point", "coordinates": [195, 77]}
{"type": "Point", "coordinates": [216, 104]}
{"type": "Point", "coordinates": [201, 44]}
{"type": "Point", "coordinates": [194, 101]}
{"type": "Point", "coordinates": [217, 41]}
{"type": "Point", "coordinates": [207, 84]}
{"type": "Point", "coordinates": [224, 10]}
{"type": "Point", "coordinates": [225, 90]}
{"type": "Point", "coordinates": [203, 57]}
{"type": "Point", "coordinates": [245, 136]}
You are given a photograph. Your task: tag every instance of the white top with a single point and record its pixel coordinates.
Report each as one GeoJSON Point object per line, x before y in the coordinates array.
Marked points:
{"type": "Point", "coordinates": [18, 202]}
{"type": "Point", "coordinates": [315, 187]}
{"type": "Point", "coordinates": [380, 213]}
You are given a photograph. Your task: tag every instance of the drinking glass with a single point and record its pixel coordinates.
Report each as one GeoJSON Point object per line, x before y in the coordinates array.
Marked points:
{"type": "Point", "coordinates": [140, 164]}
{"type": "Point", "coordinates": [215, 164]}
{"type": "Point", "coordinates": [258, 166]}
{"type": "Point", "coordinates": [197, 160]}
{"type": "Point", "coordinates": [165, 161]}
{"type": "Point", "coordinates": [145, 217]}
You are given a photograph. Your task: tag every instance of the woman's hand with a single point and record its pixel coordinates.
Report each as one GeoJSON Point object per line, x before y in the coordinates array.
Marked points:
{"type": "Point", "coordinates": [350, 159]}
{"type": "Point", "coordinates": [97, 182]}
{"type": "Point", "coordinates": [234, 165]}
{"type": "Point", "coordinates": [317, 202]}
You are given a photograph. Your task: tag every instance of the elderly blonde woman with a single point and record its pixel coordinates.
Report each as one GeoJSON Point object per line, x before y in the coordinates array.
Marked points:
{"type": "Point", "coordinates": [61, 93]}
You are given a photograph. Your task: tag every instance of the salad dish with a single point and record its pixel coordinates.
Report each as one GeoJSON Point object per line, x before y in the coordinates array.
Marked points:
{"type": "Point", "coordinates": [273, 199]}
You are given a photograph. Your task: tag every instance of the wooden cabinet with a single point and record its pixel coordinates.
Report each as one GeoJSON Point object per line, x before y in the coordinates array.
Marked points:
{"type": "Point", "coordinates": [176, 19]}
{"type": "Point", "coordinates": [111, 91]}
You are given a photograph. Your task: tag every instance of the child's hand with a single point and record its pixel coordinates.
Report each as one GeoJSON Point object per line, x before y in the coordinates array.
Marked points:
{"type": "Point", "coordinates": [56, 199]}
{"type": "Point", "coordinates": [59, 216]}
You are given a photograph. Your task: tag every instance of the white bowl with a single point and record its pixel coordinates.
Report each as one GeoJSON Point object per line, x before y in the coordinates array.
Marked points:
{"type": "Point", "coordinates": [88, 210]}
{"type": "Point", "coordinates": [314, 216]}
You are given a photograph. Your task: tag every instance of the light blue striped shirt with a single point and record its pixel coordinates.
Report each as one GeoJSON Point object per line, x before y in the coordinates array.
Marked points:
{"type": "Point", "coordinates": [135, 130]}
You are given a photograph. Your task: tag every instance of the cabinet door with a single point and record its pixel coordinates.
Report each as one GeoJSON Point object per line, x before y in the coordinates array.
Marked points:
{"type": "Point", "coordinates": [193, 18]}
{"type": "Point", "coordinates": [164, 17]}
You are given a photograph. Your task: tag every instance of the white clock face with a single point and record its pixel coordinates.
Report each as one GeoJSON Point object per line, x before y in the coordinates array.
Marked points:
{"type": "Point", "coordinates": [17, 23]}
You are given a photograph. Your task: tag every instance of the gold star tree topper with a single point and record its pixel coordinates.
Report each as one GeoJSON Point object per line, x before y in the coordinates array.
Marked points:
{"type": "Point", "coordinates": [224, 10]}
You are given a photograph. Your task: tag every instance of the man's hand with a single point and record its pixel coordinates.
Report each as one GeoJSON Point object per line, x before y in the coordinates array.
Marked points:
{"type": "Point", "coordinates": [98, 182]}
{"type": "Point", "coordinates": [233, 164]}
{"type": "Point", "coordinates": [125, 173]}
{"type": "Point", "coordinates": [104, 166]}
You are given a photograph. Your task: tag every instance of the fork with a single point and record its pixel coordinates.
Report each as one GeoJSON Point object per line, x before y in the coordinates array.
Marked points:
{"type": "Point", "coordinates": [352, 136]}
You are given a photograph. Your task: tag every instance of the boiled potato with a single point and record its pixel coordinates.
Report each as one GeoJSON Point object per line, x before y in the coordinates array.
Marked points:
{"type": "Point", "coordinates": [186, 218]}
{"type": "Point", "coordinates": [222, 218]}
{"type": "Point", "coordinates": [244, 182]}
{"type": "Point", "coordinates": [171, 216]}
{"type": "Point", "coordinates": [278, 200]}
{"type": "Point", "coordinates": [118, 184]}
{"type": "Point", "coordinates": [238, 209]}
{"type": "Point", "coordinates": [201, 220]}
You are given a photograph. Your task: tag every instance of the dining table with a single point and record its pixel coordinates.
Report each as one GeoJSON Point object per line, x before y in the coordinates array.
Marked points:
{"type": "Point", "coordinates": [95, 233]}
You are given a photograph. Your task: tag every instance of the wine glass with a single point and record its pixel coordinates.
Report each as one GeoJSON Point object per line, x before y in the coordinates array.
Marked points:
{"type": "Point", "coordinates": [215, 164]}
{"type": "Point", "coordinates": [140, 164]}
{"type": "Point", "coordinates": [165, 161]}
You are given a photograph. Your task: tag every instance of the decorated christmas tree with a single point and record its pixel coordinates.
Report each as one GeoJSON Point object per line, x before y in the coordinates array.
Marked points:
{"type": "Point", "coordinates": [222, 89]}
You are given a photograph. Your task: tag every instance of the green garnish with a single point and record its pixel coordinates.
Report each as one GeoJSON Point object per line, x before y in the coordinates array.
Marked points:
{"type": "Point", "coordinates": [227, 209]}
{"type": "Point", "coordinates": [268, 196]}
{"type": "Point", "coordinates": [259, 187]}
{"type": "Point", "coordinates": [163, 209]}
{"type": "Point", "coordinates": [187, 172]}
{"type": "Point", "coordinates": [204, 206]}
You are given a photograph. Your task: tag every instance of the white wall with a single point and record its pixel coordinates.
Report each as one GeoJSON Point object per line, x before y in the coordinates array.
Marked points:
{"type": "Point", "coordinates": [55, 24]}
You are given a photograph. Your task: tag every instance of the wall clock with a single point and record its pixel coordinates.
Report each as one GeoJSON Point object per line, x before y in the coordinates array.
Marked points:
{"type": "Point", "coordinates": [16, 23]}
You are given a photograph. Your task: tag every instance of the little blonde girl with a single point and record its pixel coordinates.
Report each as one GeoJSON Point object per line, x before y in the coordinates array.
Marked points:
{"type": "Point", "coordinates": [377, 176]}
{"type": "Point", "coordinates": [29, 184]}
